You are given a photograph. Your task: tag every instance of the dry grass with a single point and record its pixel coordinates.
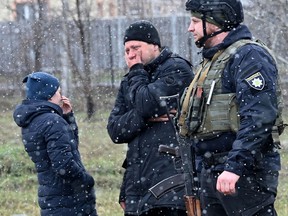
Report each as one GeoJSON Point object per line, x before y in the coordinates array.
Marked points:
{"type": "Point", "coordinates": [18, 184]}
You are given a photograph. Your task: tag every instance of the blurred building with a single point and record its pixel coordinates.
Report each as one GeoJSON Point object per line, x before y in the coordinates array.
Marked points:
{"type": "Point", "coordinates": [19, 10]}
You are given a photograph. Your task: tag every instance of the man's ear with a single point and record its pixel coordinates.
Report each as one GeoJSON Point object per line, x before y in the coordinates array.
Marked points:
{"type": "Point", "coordinates": [156, 47]}
{"type": "Point", "coordinates": [50, 99]}
{"type": "Point", "coordinates": [214, 27]}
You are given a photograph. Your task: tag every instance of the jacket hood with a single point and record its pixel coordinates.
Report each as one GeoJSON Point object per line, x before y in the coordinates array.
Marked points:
{"type": "Point", "coordinates": [241, 32]}
{"type": "Point", "coordinates": [29, 109]}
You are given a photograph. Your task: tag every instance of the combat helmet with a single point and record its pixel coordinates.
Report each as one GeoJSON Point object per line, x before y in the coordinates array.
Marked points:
{"type": "Point", "coordinates": [226, 14]}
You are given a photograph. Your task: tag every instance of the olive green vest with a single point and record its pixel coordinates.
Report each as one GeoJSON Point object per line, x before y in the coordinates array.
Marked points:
{"type": "Point", "coordinates": [205, 110]}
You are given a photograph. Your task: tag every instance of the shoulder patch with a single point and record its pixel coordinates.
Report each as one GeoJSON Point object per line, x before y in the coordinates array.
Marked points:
{"type": "Point", "coordinates": [256, 81]}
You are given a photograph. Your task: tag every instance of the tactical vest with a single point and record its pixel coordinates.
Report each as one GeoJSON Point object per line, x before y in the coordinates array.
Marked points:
{"type": "Point", "coordinates": [205, 111]}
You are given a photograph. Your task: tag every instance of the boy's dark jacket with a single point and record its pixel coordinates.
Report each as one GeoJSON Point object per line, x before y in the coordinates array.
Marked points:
{"type": "Point", "coordinates": [51, 140]}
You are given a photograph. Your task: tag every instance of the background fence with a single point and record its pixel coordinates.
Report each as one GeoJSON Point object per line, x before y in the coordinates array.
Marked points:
{"type": "Point", "coordinates": [17, 47]}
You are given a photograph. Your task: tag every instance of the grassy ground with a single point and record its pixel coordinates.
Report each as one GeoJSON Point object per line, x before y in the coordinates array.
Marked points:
{"type": "Point", "coordinates": [18, 192]}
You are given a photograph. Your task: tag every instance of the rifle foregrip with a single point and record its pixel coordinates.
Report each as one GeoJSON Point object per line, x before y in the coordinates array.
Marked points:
{"type": "Point", "coordinates": [192, 206]}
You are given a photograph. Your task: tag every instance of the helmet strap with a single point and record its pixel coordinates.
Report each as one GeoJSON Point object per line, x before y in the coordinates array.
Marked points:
{"type": "Point", "coordinates": [200, 43]}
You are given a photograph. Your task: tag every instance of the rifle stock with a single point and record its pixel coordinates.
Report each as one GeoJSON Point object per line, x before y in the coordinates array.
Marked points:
{"type": "Point", "coordinates": [191, 197]}
{"type": "Point", "coordinates": [192, 205]}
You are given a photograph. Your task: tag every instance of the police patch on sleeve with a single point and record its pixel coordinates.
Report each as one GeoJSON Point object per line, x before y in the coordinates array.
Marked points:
{"type": "Point", "coordinates": [256, 81]}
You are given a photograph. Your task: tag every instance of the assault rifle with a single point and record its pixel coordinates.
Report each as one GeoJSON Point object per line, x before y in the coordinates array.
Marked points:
{"type": "Point", "coordinates": [191, 197]}
{"type": "Point", "coordinates": [189, 177]}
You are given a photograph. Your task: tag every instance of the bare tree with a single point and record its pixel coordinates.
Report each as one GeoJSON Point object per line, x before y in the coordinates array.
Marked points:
{"type": "Point", "coordinates": [33, 33]}
{"type": "Point", "coordinates": [80, 14]}
{"type": "Point", "coordinates": [38, 35]}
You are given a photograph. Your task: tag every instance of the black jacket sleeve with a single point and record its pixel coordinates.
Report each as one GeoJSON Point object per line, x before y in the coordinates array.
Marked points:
{"type": "Point", "coordinates": [64, 164]}
{"type": "Point", "coordinates": [71, 120]}
{"type": "Point", "coordinates": [124, 122]}
{"type": "Point", "coordinates": [255, 76]}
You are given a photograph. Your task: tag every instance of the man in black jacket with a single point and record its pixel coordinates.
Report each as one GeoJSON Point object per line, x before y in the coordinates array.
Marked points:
{"type": "Point", "coordinates": [50, 137]}
{"type": "Point", "coordinates": [140, 119]}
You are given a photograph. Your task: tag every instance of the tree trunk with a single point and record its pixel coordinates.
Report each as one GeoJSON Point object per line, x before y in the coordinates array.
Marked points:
{"type": "Point", "coordinates": [90, 106]}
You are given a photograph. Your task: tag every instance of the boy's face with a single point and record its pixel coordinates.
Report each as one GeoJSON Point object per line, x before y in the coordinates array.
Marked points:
{"type": "Point", "coordinates": [57, 97]}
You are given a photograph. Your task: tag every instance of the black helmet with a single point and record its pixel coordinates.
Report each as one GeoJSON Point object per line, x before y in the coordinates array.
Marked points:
{"type": "Point", "coordinates": [226, 14]}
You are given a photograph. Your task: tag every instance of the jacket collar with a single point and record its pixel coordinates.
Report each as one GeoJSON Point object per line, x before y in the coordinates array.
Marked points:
{"type": "Point", "coordinates": [42, 104]}
{"type": "Point", "coordinates": [165, 53]}
{"type": "Point", "coordinates": [240, 32]}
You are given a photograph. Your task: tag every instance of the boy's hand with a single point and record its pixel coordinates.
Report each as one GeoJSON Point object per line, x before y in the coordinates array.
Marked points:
{"type": "Point", "coordinates": [66, 105]}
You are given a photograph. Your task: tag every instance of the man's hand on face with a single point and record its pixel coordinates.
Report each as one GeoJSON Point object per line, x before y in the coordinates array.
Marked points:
{"type": "Point", "coordinates": [134, 59]}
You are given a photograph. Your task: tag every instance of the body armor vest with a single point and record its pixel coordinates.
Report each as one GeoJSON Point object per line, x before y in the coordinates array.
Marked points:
{"type": "Point", "coordinates": [205, 111]}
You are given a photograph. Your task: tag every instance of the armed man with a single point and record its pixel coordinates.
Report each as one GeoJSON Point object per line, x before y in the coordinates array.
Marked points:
{"type": "Point", "coordinates": [231, 113]}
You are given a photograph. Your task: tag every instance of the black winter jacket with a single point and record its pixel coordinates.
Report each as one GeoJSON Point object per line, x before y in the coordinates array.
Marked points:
{"type": "Point", "coordinates": [137, 101]}
{"type": "Point", "coordinates": [51, 141]}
